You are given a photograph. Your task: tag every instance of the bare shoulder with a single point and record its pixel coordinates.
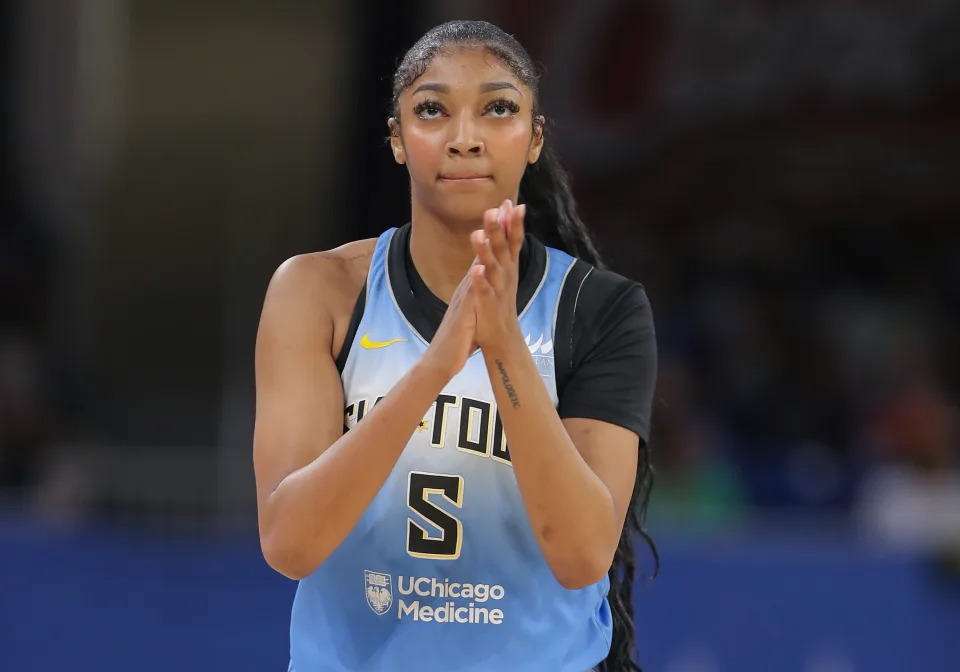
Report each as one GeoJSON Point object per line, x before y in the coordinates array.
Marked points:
{"type": "Point", "coordinates": [330, 272]}
{"type": "Point", "coordinates": [320, 287]}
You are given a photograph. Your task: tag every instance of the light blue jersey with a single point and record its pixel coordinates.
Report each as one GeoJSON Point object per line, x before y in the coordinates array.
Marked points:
{"type": "Point", "coordinates": [443, 572]}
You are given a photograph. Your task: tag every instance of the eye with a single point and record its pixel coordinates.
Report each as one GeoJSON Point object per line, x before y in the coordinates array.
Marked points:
{"type": "Point", "coordinates": [428, 109]}
{"type": "Point", "coordinates": [502, 108]}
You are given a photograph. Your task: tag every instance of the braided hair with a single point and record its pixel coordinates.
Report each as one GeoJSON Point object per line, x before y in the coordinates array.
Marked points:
{"type": "Point", "coordinates": [553, 218]}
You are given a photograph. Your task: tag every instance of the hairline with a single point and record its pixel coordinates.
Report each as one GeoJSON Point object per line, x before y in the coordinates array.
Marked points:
{"type": "Point", "coordinates": [485, 87]}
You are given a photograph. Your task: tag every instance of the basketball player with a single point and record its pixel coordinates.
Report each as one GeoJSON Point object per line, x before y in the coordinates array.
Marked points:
{"type": "Point", "coordinates": [452, 419]}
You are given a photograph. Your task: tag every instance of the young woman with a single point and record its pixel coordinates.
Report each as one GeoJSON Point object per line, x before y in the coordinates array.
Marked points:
{"type": "Point", "coordinates": [452, 419]}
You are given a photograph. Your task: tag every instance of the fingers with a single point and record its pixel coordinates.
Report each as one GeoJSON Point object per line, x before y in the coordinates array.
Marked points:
{"type": "Point", "coordinates": [482, 290]}
{"type": "Point", "coordinates": [495, 228]}
{"type": "Point", "coordinates": [498, 244]}
{"type": "Point", "coordinates": [516, 230]}
{"type": "Point", "coordinates": [485, 255]}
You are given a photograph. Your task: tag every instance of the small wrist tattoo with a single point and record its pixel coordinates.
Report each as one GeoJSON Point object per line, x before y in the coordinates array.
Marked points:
{"type": "Point", "coordinates": [507, 385]}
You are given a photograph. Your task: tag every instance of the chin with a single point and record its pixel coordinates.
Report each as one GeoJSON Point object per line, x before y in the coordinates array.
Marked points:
{"type": "Point", "coordinates": [465, 210]}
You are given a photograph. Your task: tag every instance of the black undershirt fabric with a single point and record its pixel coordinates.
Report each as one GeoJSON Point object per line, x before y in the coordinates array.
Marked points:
{"type": "Point", "coordinates": [611, 362]}
{"type": "Point", "coordinates": [432, 305]}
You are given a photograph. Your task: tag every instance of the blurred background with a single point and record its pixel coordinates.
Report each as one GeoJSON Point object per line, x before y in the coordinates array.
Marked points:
{"type": "Point", "coordinates": [783, 177]}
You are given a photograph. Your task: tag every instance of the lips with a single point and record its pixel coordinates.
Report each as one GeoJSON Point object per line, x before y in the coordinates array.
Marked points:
{"type": "Point", "coordinates": [453, 177]}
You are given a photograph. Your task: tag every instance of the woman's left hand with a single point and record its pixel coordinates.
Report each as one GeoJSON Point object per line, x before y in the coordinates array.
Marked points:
{"type": "Point", "coordinates": [497, 247]}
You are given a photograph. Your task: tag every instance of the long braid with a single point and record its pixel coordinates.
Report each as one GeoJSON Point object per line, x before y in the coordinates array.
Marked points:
{"type": "Point", "coordinates": [623, 571]}
{"type": "Point", "coordinates": [551, 210]}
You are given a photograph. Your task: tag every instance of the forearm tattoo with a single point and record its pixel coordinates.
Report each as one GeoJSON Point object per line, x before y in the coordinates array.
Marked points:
{"type": "Point", "coordinates": [507, 385]}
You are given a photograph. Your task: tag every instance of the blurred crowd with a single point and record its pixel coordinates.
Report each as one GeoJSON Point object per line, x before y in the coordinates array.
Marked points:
{"type": "Point", "coordinates": [812, 369]}
{"type": "Point", "coordinates": [27, 405]}
{"type": "Point", "coordinates": [804, 273]}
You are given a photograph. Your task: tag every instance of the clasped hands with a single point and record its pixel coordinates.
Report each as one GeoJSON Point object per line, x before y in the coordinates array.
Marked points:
{"type": "Point", "coordinates": [494, 275]}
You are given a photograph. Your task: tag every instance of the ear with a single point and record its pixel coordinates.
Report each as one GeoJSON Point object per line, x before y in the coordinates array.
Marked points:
{"type": "Point", "coordinates": [396, 142]}
{"type": "Point", "coordinates": [536, 144]}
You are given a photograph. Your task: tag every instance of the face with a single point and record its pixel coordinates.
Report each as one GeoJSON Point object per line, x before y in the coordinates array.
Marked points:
{"type": "Point", "coordinates": [466, 134]}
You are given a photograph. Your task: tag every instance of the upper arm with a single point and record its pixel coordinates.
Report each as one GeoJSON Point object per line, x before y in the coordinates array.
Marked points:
{"type": "Point", "coordinates": [606, 402]}
{"type": "Point", "coordinates": [299, 408]}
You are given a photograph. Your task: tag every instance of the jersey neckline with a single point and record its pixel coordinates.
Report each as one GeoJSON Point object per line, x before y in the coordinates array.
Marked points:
{"type": "Point", "coordinates": [422, 309]}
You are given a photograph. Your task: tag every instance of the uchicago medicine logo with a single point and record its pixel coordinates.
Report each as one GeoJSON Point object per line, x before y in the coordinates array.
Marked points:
{"type": "Point", "coordinates": [431, 600]}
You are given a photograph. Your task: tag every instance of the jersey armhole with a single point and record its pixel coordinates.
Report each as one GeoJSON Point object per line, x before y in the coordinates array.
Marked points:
{"type": "Point", "coordinates": [352, 328]}
{"type": "Point", "coordinates": [564, 330]}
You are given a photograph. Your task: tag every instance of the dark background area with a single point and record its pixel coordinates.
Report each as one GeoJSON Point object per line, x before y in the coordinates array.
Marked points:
{"type": "Point", "coordinates": [783, 177]}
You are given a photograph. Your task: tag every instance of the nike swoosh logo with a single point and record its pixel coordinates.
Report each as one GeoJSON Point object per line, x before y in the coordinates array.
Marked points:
{"type": "Point", "coordinates": [367, 344]}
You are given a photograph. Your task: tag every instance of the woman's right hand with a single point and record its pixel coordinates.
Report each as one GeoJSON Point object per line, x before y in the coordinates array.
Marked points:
{"type": "Point", "coordinates": [455, 339]}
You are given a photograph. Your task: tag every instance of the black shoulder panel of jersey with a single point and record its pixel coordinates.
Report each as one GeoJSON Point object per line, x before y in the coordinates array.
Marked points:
{"type": "Point", "coordinates": [355, 318]}
{"type": "Point", "coordinates": [605, 350]}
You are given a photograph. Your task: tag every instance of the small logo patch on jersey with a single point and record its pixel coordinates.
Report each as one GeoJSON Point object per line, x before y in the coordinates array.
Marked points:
{"type": "Point", "coordinates": [539, 348]}
{"type": "Point", "coordinates": [368, 344]}
{"type": "Point", "coordinates": [378, 589]}
{"type": "Point", "coordinates": [542, 353]}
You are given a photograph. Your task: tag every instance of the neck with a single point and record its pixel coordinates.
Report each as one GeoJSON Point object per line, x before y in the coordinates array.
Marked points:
{"type": "Point", "coordinates": [441, 252]}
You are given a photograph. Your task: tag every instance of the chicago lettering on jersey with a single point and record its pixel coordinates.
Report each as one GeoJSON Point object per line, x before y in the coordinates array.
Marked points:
{"type": "Point", "coordinates": [479, 429]}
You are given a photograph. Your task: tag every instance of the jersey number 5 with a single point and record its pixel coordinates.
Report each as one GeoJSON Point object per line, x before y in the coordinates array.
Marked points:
{"type": "Point", "coordinates": [444, 545]}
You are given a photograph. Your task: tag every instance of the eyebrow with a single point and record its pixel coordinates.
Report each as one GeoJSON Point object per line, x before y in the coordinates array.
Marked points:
{"type": "Point", "coordinates": [484, 88]}
{"type": "Point", "coordinates": [496, 86]}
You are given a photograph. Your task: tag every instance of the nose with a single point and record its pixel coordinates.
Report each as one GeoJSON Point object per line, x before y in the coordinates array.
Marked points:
{"type": "Point", "coordinates": [466, 140]}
